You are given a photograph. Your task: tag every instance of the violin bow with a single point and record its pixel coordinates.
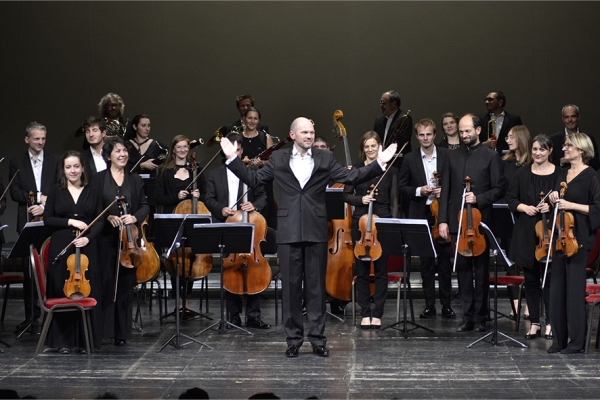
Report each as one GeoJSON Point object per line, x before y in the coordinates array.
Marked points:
{"type": "Point", "coordinates": [237, 202]}
{"type": "Point", "coordinates": [83, 232]}
{"type": "Point", "coordinates": [462, 209]}
{"type": "Point", "coordinates": [203, 169]}
{"type": "Point", "coordinates": [9, 183]}
{"type": "Point", "coordinates": [137, 163]}
{"type": "Point", "coordinates": [544, 198]}
{"type": "Point", "coordinates": [551, 237]}
{"type": "Point", "coordinates": [387, 168]}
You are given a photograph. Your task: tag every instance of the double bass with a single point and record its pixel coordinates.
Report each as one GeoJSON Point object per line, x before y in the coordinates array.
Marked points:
{"type": "Point", "coordinates": [247, 273]}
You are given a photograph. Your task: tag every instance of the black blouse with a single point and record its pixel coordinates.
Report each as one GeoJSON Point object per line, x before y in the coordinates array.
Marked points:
{"type": "Point", "coordinates": [168, 187]}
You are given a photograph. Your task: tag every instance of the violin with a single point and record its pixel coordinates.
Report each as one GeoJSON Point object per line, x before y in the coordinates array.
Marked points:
{"type": "Point", "coordinates": [150, 267]}
{"type": "Point", "coordinates": [267, 153]}
{"type": "Point", "coordinates": [340, 251]}
{"type": "Point", "coordinates": [130, 255]}
{"type": "Point", "coordinates": [471, 242]}
{"type": "Point", "coordinates": [33, 202]}
{"type": "Point", "coordinates": [543, 233]}
{"type": "Point", "coordinates": [77, 286]}
{"type": "Point", "coordinates": [368, 248]}
{"type": "Point", "coordinates": [565, 223]}
{"type": "Point", "coordinates": [248, 273]}
{"type": "Point", "coordinates": [193, 266]}
{"type": "Point", "coordinates": [435, 209]}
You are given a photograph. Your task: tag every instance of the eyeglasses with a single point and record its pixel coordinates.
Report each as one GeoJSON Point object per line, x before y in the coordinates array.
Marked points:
{"type": "Point", "coordinates": [182, 147]}
{"type": "Point", "coordinates": [509, 138]}
{"type": "Point", "coordinates": [382, 102]}
{"type": "Point", "coordinates": [490, 99]}
{"type": "Point", "coordinates": [568, 145]}
{"type": "Point", "coordinates": [111, 105]}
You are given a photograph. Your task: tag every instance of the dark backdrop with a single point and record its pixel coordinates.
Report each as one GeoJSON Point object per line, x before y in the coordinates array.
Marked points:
{"type": "Point", "coordinates": [183, 63]}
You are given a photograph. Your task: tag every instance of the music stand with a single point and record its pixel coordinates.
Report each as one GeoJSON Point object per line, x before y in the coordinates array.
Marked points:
{"type": "Point", "coordinates": [494, 334]}
{"type": "Point", "coordinates": [404, 237]}
{"type": "Point", "coordinates": [213, 238]}
{"type": "Point", "coordinates": [33, 233]}
{"type": "Point", "coordinates": [175, 226]}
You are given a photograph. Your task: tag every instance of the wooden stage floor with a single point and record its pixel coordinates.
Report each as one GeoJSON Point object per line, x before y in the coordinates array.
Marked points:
{"type": "Point", "coordinates": [362, 365]}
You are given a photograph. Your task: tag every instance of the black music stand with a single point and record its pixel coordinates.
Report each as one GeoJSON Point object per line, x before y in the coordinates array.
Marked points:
{"type": "Point", "coordinates": [494, 334]}
{"type": "Point", "coordinates": [213, 238]}
{"type": "Point", "coordinates": [33, 233]}
{"type": "Point", "coordinates": [176, 226]}
{"type": "Point", "coordinates": [406, 237]}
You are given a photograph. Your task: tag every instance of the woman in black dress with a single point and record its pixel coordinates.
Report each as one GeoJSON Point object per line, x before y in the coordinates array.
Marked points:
{"type": "Point", "coordinates": [113, 182]}
{"type": "Point", "coordinates": [523, 199]}
{"type": "Point", "coordinates": [173, 178]}
{"type": "Point", "coordinates": [385, 205]}
{"type": "Point", "coordinates": [71, 205]}
{"type": "Point", "coordinates": [451, 139]}
{"type": "Point", "coordinates": [567, 293]}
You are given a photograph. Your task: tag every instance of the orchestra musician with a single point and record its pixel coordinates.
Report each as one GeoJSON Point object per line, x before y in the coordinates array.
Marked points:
{"type": "Point", "coordinates": [385, 205]}
{"type": "Point", "coordinates": [496, 122]}
{"type": "Point", "coordinates": [417, 182]}
{"type": "Point", "coordinates": [223, 190]}
{"type": "Point", "coordinates": [484, 168]}
{"type": "Point", "coordinates": [173, 179]}
{"type": "Point", "coordinates": [95, 133]}
{"type": "Point", "coordinates": [567, 293]}
{"type": "Point", "coordinates": [451, 139]}
{"type": "Point", "coordinates": [112, 182]}
{"type": "Point", "coordinates": [71, 205]}
{"type": "Point", "coordinates": [38, 171]}
{"type": "Point", "coordinates": [302, 174]}
{"type": "Point", "coordinates": [242, 103]}
{"type": "Point", "coordinates": [523, 199]}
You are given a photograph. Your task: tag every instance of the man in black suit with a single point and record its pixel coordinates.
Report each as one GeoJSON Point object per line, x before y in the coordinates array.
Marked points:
{"type": "Point", "coordinates": [243, 102]}
{"type": "Point", "coordinates": [38, 171]}
{"type": "Point", "coordinates": [223, 189]}
{"type": "Point", "coordinates": [95, 132]}
{"type": "Point", "coordinates": [417, 181]}
{"type": "Point", "coordinates": [386, 127]}
{"type": "Point", "coordinates": [484, 167]}
{"type": "Point", "coordinates": [502, 122]}
{"type": "Point", "coordinates": [570, 117]}
{"type": "Point", "coordinates": [302, 175]}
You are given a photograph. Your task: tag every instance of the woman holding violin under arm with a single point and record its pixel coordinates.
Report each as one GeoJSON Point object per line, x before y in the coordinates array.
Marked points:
{"type": "Point", "coordinates": [71, 205]}
{"type": "Point", "coordinates": [582, 199]}
{"type": "Point", "coordinates": [385, 205]}
{"type": "Point", "coordinates": [524, 202]}
{"type": "Point", "coordinates": [114, 182]}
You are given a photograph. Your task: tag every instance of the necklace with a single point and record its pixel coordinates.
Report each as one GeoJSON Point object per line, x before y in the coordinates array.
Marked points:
{"type": "Point", "coordinates": [139, 145]}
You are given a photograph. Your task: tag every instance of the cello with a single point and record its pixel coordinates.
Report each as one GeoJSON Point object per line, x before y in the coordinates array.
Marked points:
{"type": "Point", "coordinates": [77, 286]}
{"type": "Point", "coordinates": [470, 242]}
{"type": "Point", "coordinates": [193, 266]}
{"type": "Point", "coordinates": [247, 273]}
{"type": "Point", "coordinates": [340, 252]}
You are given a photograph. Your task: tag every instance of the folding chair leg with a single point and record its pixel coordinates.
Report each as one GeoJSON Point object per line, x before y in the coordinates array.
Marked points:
{"type": "Point", "coordinates": [518, 310]}
{"type": "Point", "coordinates": [353, 291]}
{"type": "Point", "coordinates": [44, 333]}
{"type": "Point", "coordinates": [589, 331]}
{"type": "Point", "coordinates": [86, 332]}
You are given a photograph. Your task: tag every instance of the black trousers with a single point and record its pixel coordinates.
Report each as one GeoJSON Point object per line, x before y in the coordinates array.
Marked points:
{"type": "Point", "coordinates": [303, 263]}
{"type": "Point", "coordinates": [474, 298]}
{"type": "Point", "coordinates": [28, 290]}
{"type": "Point", "coordinates": [444, 271]}
{"type": "Point", "coordinates": [567, 300]}
{"type": "Point", "coordinates": [533, 292]}
{"type": "Point", "coordinates": [234, 305]}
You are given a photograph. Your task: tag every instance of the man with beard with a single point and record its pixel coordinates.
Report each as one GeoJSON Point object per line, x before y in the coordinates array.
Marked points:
{"type": "Point", "coordinates": [503, 122]}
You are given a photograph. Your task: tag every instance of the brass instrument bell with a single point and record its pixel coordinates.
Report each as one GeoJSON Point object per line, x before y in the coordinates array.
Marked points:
{"type": "Point", "coordinates": [217, 136]}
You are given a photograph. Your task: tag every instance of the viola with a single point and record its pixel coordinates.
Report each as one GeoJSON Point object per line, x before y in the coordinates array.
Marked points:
{"type": "Point", "coordinates": [77, 286]}
{"type": "Point", "coordinates": [368, 248]}
{"type": "Point", "coordinates": [471, 242]}
{"type": "Point", "coordinates": [33, 202]}
{"type": "Point", "coordinates": [543, 233]}
{"type": "Point", "coordinates": [193, 266]}
{"type": "Point", "coordinates": [248, 273]}
{"type": "Point", "coordinates": [435, 209]}
{"type": "Point", "coordinates": [130, 255]}
{"type": "Point", "coordinates": [150, 267]}
{"type": "Point", "coordinates": [565, 223]}
{"type": "Point", "coordinates": [340, 251]}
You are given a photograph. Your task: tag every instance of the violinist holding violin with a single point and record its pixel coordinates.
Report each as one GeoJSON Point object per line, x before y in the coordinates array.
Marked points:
{"type": "Point", "coordinates": [418, 182]}
{"type": "Point", "coordinates": [223, 190]}
{"type": "Point", "coordinates": [483, 166]}
{"type": "Point", "coordinates": [71, 205]}
{"type": "Point", "coordinates": [582, 199]}
{"type": "Point", "coordinates": [117, 181]}
{"type": "Point", "coordinates": [524, 202]}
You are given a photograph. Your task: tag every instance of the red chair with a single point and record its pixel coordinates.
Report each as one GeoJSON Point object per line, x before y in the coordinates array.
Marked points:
{"type": "Point", "coordinates": [507, 280]}
{"type": "Point", "coordinates": [592, 301]}
{"type": "Point", "coordinates": [62, 304]}
{"type": "Point", "coordinates": [394, 267]}
{"type": "Point", "coordinates": [593, 262]}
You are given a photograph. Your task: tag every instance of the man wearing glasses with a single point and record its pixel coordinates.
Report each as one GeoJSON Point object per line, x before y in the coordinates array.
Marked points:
{"type": "Point", "coordinates": [570, 117]}
{"type": "Point", "coordinates": [496, 122]}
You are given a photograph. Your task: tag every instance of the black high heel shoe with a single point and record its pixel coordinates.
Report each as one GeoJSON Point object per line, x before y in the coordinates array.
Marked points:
{"type": "Point", "coordinates": [537, 333]}
{"type": "Point", "coordinates": [549, 336]}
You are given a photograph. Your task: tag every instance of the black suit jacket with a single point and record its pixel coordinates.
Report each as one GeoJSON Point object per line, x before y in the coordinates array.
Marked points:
{"type": "Point", "coordinates": [510, 120]}
{"type": "Point", "coordinates": [302, 215]}
{"type": "Point", "coordinates": [90, 165]}
{"type": "Point", "coordinates": [484, 167]}
{"type": "Point", "coordinates": [405, 136]}
{"type": "Point", "coordinates": [217, 193]}
{"type": "Point", "coordinates": [412, 176]}
{"type": "Point", "coordinates": [558, 139]}
{"type": "Point", "coordinates": [25, 181]}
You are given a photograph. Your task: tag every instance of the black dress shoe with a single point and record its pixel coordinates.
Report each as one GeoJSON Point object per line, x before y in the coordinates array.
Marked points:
{"type": "Point", "coordinates": [465, 327]}
{"type": "Point", "coordinates": [64, 350]}
{"type": "Point", "coordinates": [480, 327]}
{"type": "Point", "coordinates": [428, 313]}
{"type": "Point", "coordinates": [292, 351]}
{"type": "Point", "coordinates": [22, 325]}
{"type": "Point", "coordinates": [236, 320]}
{"type": "Point", "coordinates": [321, 351]}
{"type": "Point", "coordinates": [257, 323]}
{"type": "Point", "coordinates": [120, 342]}
{"type": "Point", "coordinates": [554, 349]}
{"type": "Point", "coordinates": [83, 350]}
{"type": "Point", "coordinates": [571, 351]}
{"type": "Point", "coordinates": [448, 312]}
